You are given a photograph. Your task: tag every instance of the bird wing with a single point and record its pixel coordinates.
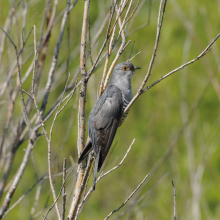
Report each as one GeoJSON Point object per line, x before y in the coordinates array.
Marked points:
{"type": "Point", "coordinates": [106, 115]}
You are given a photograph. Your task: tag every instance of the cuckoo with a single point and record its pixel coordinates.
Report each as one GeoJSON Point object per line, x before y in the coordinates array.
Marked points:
{"type": "Point", "coordinates": [105, 116]}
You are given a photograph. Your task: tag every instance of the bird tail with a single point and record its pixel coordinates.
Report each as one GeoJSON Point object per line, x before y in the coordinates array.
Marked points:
{"type": "Point", "coordinates": [85, 152]}
{"type": "Point", "coordinates": [95, 170]}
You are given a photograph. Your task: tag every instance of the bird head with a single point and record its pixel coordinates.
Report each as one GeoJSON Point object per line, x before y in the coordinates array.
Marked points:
{"type": "Point", "coordinates": [126, 69]}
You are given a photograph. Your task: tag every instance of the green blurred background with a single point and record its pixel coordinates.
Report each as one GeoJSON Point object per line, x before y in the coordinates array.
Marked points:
{"type": "Point", "coordinates": [158, 120]}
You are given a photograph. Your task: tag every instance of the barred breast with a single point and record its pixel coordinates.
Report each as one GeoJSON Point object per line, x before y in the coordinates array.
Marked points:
{"type": "Point", "coordinates": [125, 104]}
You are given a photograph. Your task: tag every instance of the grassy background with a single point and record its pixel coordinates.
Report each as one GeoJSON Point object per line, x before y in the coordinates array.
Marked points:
{"type": "Point", "coordinates": [155, 120]}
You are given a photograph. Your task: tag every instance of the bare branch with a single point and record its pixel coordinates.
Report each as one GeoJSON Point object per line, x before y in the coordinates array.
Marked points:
{"type": "Point", "coordinates": [204, 52]}
{"type": "Point", "coordinates": [124, 203]}
{"type": "Point", "coordinates": [24, 109]}
{"type": "Point", "coordinates": [45, 176]}
{"type": "Point", "coordinates": [6, 26]}
{"type": "Point", "coordinates": [122, 47]}
{"type": "Point", "coordinates": [132, 12]}
{"type": "Point", "coordinates": [64, 189]}
{"type": "Point", "coordinates": [174, 201]}
{"type": "Point", "coordinates": [135, 55]}
{"type": "Point", "coordinates": [114, 168]}
{"type": "Point", "coordinates": [19, 174]}
{"type": "Point", "coordinates": [45, 133]}
{"type": "Point", "coordinates": [105, 41]}
{"type": "Point", "coordinates": [81, 114]}
{"type": "Point", "coordinates": [38, 191]}
{"type": "Point", "coordinates": [55, 58]}
{"type": "Point", "coordinates": [55, 202]}
{"type": "Point", "coordinates": [143, 25]}
{"type": "Point", "coordinates": [159, 26]}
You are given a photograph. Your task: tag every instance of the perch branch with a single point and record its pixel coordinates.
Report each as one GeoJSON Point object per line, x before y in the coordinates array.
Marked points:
{"type": "Point", "coordinates": [81, 115]}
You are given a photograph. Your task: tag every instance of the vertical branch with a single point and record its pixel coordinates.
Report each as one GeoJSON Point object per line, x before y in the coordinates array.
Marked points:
{"type": "Point", "coordinates": [51, 21]}
{"type": "Point", "coordinates": [174, 201]}
{"type": "Point", "coordinates": [81, 115]}
{"type": "Point", "coordinates": [55, 58]}
{"type": "Point", "coordinates": [68, 46]}
{"type": "Point", "coordinates": [159, 25]}
{"type": "Point", "coordinates": [64, 189]}
{"type": "Point", "coordinates": [90, 46]}
{"type": "Point", "coordinates": [43, 45]}
{"type": "Point", "coordinates": [82, 99]}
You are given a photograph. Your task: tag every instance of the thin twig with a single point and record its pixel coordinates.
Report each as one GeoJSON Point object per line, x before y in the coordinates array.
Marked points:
{"type": "Point", "coordinates": [49, 153]}
{"type": "Point", "coordinates": [6, 26]}
{"type": "Point", "coordinates": [122, 47]}
{"type": "Point", "coordinates": [45, 132]}
{"type": "Point", "coordinates": [124, 203]}
{"type": "Point", "coordinates": [105, 41]}
{"type": "Point", "coordinates": [49, 24]}
{"type": "Point", "coordinates": [61, 189]}
{"type": "Point", "coordinates": [174, 201]}
{"type": "Point", "coordinates": [24, 109]}
{"type": "Point", "coordinates": [64, 189]}
{"type": "Point", "coordinates": [38, 191]}
{"type": "Point", "coordinates": [204, 52]}
{"type": "Point", "coordinates": [132, 12]}
{"type": "Point", "coordinates": [159, 25]}
{"type": "Point", "coordinates": [143, 25]}
{"type": "Point", "coordinates": [135, 55]}
{"type": "Point", "coordinates": [90, 47]}
{"type": "Point", "coordinates": [120, 162]}
{"type": "Point", "coordinates": [142, 197]}
{"type": "Point", "coordinates": [49, 149]}
{"type": "Point", "coordinates": [131, 51]}
{"type": "Point", "coordinates": [45, 176]}
{"type": "Point", "coordinates": [55, 58]}
{"type": "Point", "coordinates": [110, 49]}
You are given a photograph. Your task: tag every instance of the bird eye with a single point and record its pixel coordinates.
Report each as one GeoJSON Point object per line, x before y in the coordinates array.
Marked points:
{"type": "Point", "coordinates": [125, 68]}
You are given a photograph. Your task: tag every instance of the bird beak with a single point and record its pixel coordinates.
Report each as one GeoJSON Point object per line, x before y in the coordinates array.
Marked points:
{"type": "Point", "coordinates": [136, 67]}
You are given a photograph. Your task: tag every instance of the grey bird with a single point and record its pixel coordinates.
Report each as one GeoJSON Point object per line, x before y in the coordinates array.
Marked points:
{"type": "Point", "coordinates": [105, 115]}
